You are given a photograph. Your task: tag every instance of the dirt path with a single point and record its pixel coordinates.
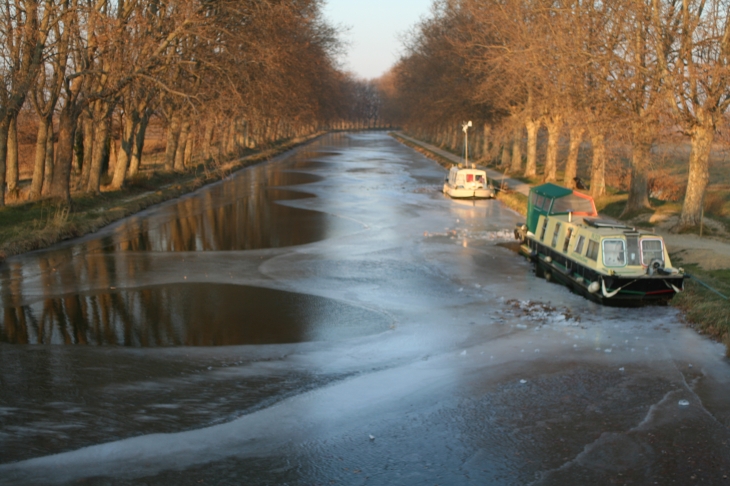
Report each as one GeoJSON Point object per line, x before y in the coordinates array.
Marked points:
{"type": "Point", "coordinates": [708, 253]}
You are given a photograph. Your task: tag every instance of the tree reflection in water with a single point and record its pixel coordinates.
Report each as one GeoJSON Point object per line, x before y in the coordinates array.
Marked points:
{"type": "Point", "coordinates": [74, 299]}
{"type": "Point", "coordinates": [186, 314]}
{"type": "Point", "coordinates": [241, 214]}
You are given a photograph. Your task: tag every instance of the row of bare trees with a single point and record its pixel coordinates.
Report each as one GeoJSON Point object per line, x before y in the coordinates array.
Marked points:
{"type": "Point", "coordinates": [583, 68]}
{"type": "Point", "coordinates": [221, 75]}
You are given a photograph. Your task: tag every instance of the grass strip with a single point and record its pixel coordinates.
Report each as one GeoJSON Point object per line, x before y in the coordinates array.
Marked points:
{"type": "Point", "coordinates": [703, 309]}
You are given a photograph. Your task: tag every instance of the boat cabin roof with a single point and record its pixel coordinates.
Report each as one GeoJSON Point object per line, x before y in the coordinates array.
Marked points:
{"type": "Point", "coordinates": [468, 171]}
{"type": "Point", "coordinates": [602, 228]}
{"type": "Point", "coordinates": [605, 223]}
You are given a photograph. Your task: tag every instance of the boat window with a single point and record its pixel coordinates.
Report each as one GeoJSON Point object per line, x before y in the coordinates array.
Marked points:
{"type": "Point", "coordinates": [573, 203]}
{"type": "Point", "coordinates": [579, 244]}
{"type": "Point", "coordinates": [555, 235]}
{"type": "Point", "coordinates": [470, 178]}
{"type": "Point", "coordinates": [592, 251]}
{"type": "Point", "coordinates": [546, 204]}
{"type": "Point", "coordinates": [614, 253]}
{"type": "Point", "coordinates": [650, 250]}
{"type": "Point", "coordinates": [568, 234]}
{"type": "Point", "coordinates": [538, 201]}
{"type": "Point", "coordinates": [544, 228]}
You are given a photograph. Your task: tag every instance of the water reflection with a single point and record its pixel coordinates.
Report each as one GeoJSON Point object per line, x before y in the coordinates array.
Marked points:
{"type": "Point", "coordinates": [249, 222]}
{"type": "Point", "coordinates": [186, 314]}
{"type": "Point", "coordinates": [67, 294]}
{"type": "Point", "coordinates": [240, 214]}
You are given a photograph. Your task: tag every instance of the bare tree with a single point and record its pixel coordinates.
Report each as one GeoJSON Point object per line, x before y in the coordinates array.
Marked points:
{"type": "Point", "coordinates": [692, 43]}
{"type": "Point", "coordinates": [24, 26]}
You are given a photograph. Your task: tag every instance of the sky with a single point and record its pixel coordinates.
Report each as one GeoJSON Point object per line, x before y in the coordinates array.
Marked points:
{"type": "Point", "coordinates": [374, 29]}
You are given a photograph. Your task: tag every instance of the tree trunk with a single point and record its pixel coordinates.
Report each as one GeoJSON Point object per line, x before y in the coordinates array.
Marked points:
{"type": "Point", "coordinates": [598, 167]}
{"type": "Point", "coordinates": [110, 154]}
{"type": "Point", "coordinates": [60, 186]}
{"type": "Point", "coordinates": [571, 165]}
{"type": "Point", "coordinates": [230, 138]}
{"type": "Point", "coordinates": [275, 131]}
{"type": "Point", "coordinates": [531, 166]}
{"type": "Point", "coordinates": [50, 160]}
{"type": "Point", "coordinates": [180, 149]}
{"type": "Point", "coordinates": [4, 127]}
{"type": "Point", "coordinates": [125, 152]}
{"type": "Point", "coordinates": [39, 163]}
{"type": "Point", "coordinates": [173, 135]}
{"type": "Point", "coordinates": [78, 151]}
{"type": "Point", "coordinates": [188, 152]}
{"type": "Point", "coordinates": [13, 172]}
{"type": "Point", "coordinates": [101, 139]}
{"type": "Point", "coordinates": [699, 175]}
{"type": "Point", "coordinates": [486, 145]}
{"type": "Point", "coordinates": [139, 135]}
{"type": "Point", "coordinates": [88, 126]}
{"type": "Point", "coordinates": [505, 157]}
{"type": "Point", "coordinates": [208, 140]}
{"type": "Point", "coordinates": [516, 151]}
{"type": "Point", "coordinates": [554, 124]}
{"type": "Point", "coordinates": [643, 139]}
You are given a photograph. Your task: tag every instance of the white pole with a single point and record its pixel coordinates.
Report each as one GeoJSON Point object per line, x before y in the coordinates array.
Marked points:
{"type": "Point", "coordinates": [465, 128]}
{"type": "Point", "coordinates": [466, 149]}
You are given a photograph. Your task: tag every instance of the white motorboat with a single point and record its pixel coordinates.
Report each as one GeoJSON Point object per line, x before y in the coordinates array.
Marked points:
{"type": "Point", "coordinates": [468, 184]}
{"type": "Point", "coordinates": [465, 183]}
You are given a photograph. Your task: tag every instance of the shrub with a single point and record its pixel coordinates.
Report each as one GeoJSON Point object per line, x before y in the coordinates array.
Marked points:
{"type": "Point", "coordinates": [666, 187]}
{"type": "Point", "coordinates": [715, 203]}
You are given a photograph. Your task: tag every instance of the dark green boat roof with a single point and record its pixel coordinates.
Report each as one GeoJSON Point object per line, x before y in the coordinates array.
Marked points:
{"type": "Point", "coordinates": [551, 190]}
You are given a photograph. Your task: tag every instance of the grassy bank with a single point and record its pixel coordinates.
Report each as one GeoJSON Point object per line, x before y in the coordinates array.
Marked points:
{"type": "Point", "coordinates": [31, 226]}
{"type": "Point", "coordinates": [703, 309]}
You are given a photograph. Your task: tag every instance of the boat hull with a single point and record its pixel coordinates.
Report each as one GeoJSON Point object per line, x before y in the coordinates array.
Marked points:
{"type": "Point", "coordinates": [611, 290]}
{"type": "Point", "coordinates": [479, 193]}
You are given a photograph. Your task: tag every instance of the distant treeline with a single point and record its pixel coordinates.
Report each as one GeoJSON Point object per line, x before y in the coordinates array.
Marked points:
{"type": "Point", "coordinates": [221, 75]}
{"type": "Point", "coordinates": [598, 70]}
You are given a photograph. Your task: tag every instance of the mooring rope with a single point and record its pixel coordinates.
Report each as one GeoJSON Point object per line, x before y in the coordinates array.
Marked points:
{"type": "Point", "coordinates": [707, 286]}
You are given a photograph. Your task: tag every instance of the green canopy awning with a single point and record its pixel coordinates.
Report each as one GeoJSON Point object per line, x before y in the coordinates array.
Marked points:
{"type": "Point", "coordinates": [551, 190]}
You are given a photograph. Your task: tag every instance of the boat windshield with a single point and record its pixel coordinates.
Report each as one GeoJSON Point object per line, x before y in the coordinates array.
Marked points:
{"type": "Point", "coordinates": [651, 250]}
{"type": "Point", "coordinates": [574, 203]}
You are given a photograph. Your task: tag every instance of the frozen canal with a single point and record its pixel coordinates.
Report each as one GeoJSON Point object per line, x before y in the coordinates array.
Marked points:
{"type": "Point", "coordinates": [331, 318]}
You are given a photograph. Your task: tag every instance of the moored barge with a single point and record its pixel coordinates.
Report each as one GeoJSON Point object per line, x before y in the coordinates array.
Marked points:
{"type": "Point", "coordinates": [606, 261]}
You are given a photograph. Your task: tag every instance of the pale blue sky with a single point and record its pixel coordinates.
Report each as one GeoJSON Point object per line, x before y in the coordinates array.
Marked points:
{"type": "Point", "coordinates": [374, 29]}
